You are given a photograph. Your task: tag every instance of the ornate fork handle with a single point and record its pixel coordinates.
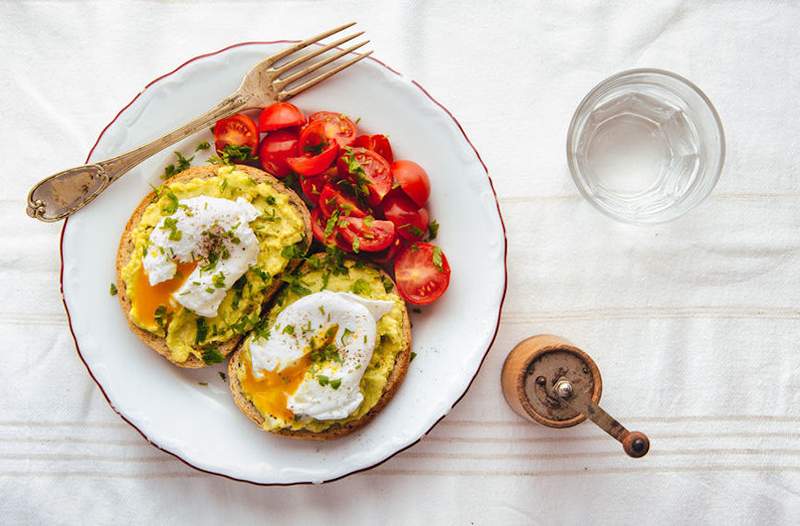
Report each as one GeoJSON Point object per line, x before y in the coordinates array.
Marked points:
{"type": "Point", "coordinates": [66, 192]}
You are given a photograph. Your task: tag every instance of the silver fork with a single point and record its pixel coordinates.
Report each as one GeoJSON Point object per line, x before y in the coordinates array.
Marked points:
{"type": "Point", "coordinates": [271, 80]}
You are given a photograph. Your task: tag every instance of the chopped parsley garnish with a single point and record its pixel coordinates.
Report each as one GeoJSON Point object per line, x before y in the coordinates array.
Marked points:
{"type": "Point", "coordinates": [183, 163]}
{"type": "Point", "coordinates": [213, 257]}
{"type": "Point", "coordinates": [172, 202]}
{"type": "Point", "coordinates": [355, 169]}
{"type": "Point", "coordinates": [314, 149]}
{"type": "Point", "coordinates": [292, 251]}
{"type": "Point", "coordinates": [112, 290]}
{"type": "Point", "coordinates": [160, 316]}
{"type": "Point", "coordinates": [346, 334]}
{"type": "Point", "coordinates": [209, 290]}
{"type": "Point", "coordinates": [369, 220]}
{"type": "Point", "coordinates": [433, 230]}
{"type": "Point", "coordinates": [232, 153]}
{"type": "Point", "coordinates": [360, 287]}
{"type": "Point", "coordinates": [261, 329]}
{"type": "Point", "coordinates": [289, 329]}
{"type": "Point", "coordinates": [356, 245]}
{"type": "Point", "coordinates": [331, 224]}
{"type": "Point", "coordinates": [261, 274]}
{"type": "Point", "coordinates": [327, 353]}
{"type": "Point", "coordinates": [201, 330]}
{"type": "Point", "coordinates": [218, 280]}
{"type": "Point", "coordinates": [336, 383]}
{"type": "Point", "coordinates": [222, 375]}
{"type": "Point", "coordinates": [204, 384]}
{"type": "Point", "coordinates": [414, 229]}
{"type": "Point", "coordinates": [238, 289]}
{"type": "Point", "coordinates": [323, 380]}
{"type": "Point", "coordinates": [437, 258]}
{"type": "Point", "coordinates": [271, 200]}
{"type": "Point", "coordinates": [387, 283]}
{"type": "Point", "coordinates": [180, 165]}
{"type": "Point", "coordinates": [202, 146]}
{"type": "Point", "coordinates": [212, 356]}
{"type": "Point", "coordinates": [223, 186]}
{"type": "Point", "coordinates": [413, 355]}
{"type": "Point", "coordinates": [296, 285]}
{"type": "Point", "coordinates": [171, 224]}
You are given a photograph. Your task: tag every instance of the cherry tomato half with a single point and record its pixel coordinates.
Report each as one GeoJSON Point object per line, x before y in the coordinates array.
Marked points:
{"type": "Point", "coordinates": [410, 220]}
{"type": "Point", "coordinates": [366, 235]}
{"type": "Point", "coordinates": [332, 199]}
{"type": "Point", "coordinates": [280, 115]}
{"type": "Point", "coordinates": [422, 273]}
{"type": "Point", "coordinates": [236, 130]}
{"type": "Point", "coordinates": [319, 224]}
{"type": "Point", "coordinates": [314, 164]}
{"type": "Point", "coordinates": [337, 127]}
{"type": "Point", "coordinates": [370, 172]}
{"type": "Point", "coordinates": [377, 143]}
{"type": "Point", "coordinates": [275, 149]}
{"type": "Point", "coordinates": [413, 180]}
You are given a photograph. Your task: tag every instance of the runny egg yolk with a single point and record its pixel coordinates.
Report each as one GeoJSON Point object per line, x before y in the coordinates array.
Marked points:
{"type": "Point", "coordinates": [151, 297]}
{"type": "Point", "coordinates": [270, 394]}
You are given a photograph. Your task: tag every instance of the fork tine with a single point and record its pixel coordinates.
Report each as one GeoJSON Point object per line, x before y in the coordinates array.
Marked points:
{"type": "Point", "coordinates": [294, 77]}
{"type": "Point", "coordinates": [305, 43]}
{"type": "Point", "coordinates": [288, 94]}
{"type": "Point", "coordinates": [303, 58]}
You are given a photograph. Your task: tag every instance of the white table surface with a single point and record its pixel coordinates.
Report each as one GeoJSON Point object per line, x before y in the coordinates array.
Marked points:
{"type": "Point", "coordinates": [694, 324]}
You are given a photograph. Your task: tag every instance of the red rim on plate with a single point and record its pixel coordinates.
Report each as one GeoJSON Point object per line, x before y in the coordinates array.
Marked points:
{"type": "Point", "coordinates": [499, 313]}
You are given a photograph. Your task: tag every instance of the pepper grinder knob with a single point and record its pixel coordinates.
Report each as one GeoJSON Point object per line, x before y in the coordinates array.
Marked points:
{"type": "Point", "coordinates": [636, 444]}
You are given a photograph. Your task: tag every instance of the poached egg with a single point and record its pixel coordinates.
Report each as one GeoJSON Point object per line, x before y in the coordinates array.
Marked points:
{"type": "Point", "coordinates": [315, 355]}
{"type": "Point", "coordinates": [210, 239]}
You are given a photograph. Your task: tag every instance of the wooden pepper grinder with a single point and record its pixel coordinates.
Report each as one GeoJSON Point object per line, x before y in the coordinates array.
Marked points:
{"type": "Point", "coordinates": [548, 380]}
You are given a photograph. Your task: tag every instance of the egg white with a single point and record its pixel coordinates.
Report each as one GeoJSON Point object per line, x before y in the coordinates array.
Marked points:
{"type": "Point", "coordinates": [204, 289]}
{"type": "Point", "coordinates": [355, 339]}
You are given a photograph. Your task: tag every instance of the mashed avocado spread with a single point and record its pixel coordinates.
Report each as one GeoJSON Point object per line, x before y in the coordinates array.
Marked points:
{"type": "Point", "coordinates": [280, 231]}
{"type": "Point", "coordinates": [337, 275]}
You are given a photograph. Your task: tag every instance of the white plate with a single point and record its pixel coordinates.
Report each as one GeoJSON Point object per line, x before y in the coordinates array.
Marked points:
{"type": "Point", "coordinates": [200, 424]}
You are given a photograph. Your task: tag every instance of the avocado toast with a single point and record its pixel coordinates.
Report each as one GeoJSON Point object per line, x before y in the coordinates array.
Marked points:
{"type": "Point", "coordinates": [385, 366]}
{"type": "Point", "coordinates": [282, 232]}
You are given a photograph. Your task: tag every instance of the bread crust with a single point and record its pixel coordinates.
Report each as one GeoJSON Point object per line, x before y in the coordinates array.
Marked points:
{"type": "Point", "coordinates": [393, 383]}
{"type": "Point", "coordinates": [158, 343]}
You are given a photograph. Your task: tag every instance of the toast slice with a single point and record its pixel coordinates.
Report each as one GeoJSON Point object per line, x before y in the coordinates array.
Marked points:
{"type": "Point", "coordinates": [126, 247]}
{"type": "Point", "coordinates": [394, 379]}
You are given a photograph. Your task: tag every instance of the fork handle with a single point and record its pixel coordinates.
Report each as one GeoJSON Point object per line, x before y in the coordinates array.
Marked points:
{"type": "Point", "coordinates": [64, 193]}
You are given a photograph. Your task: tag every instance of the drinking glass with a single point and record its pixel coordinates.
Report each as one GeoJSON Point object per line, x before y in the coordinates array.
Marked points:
{"type": "Point", "coordinates": [645, 146]}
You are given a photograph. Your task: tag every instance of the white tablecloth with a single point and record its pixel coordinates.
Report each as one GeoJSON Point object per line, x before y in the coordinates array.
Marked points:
{"type": "Point", "coordinates": [694, 324]}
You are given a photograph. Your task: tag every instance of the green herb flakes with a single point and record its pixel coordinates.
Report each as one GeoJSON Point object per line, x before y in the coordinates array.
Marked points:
{"type": "Point", "coordinates": [212, 356]}
{"type": "Point", "coordinates": [361, 287]}
{"type": "Point", "coordinates": [437, 258]}
{"type": "Point", "coordinates": [433, 230]}
{"type": "Point", "coordinates": [201, 330]}
{"type": "Point", "coordinates": [160, 316]}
